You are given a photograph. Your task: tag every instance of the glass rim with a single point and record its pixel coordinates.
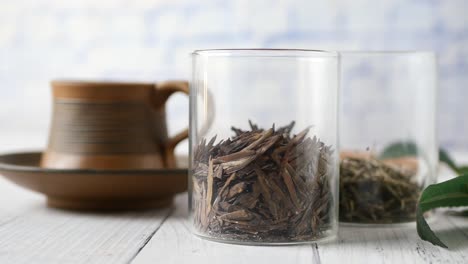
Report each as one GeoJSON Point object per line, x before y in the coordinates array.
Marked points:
{"type": "Point", "coordinates": [387, 52]}
{"type": "Point", "coordinates": [261, 52]}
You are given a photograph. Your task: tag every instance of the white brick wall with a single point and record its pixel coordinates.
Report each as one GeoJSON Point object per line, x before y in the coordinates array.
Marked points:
{"type": "Point", "coordinates": [150, 40]}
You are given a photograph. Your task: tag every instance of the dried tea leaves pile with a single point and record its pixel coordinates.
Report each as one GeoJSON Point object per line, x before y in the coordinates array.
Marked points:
{"type": "Point", "coordinates": [263, 186]}
{"type": "Point", "coordinates": [375, 191]}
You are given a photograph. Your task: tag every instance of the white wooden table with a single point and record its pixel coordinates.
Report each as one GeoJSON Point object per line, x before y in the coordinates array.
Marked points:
{"type": "Point", "coordinates": [33, 233]}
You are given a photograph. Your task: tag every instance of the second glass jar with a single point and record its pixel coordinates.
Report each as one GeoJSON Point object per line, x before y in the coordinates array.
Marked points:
{"type": "Point", "coordinates": [387, 134]}
{"type": "Point", "coordinates": [263, 145]}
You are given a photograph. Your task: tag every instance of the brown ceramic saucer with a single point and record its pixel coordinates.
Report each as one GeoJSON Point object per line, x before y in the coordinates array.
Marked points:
{"type": "Point", "coordinates": [94, 189]}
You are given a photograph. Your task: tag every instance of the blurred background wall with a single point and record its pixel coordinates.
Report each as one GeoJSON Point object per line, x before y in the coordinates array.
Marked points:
{"type": "Point", "coordinates": [148, 40]}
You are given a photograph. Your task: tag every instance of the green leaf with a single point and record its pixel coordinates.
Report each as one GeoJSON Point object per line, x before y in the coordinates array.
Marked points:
{"type": "Point", "coordinates": [445, 157]}
{"type": "Point", "coordinates": [463, 170]}
{"type": "Point", "coordinates": [399, 149]}
{"type": "Point", "coordinates": [450, 193]}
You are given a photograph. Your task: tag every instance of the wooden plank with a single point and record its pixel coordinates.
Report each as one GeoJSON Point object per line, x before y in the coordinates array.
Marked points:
{"type": "Point", "coordinates": [44, 235]}
{"type": "Point", "coordinates": [456, 238]}
{"type": "Point", "coordinates": [396, 245]}
{"type": "Point", "coordinates": [174, 243]}
{"type": "Point", "coordinates": [32, 233]}
{"type": "Point", "coordinates": [16, 201]}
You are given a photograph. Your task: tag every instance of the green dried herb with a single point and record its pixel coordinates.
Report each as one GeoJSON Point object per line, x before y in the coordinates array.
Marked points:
{"type": "Point", "coordinates": [372, 191]}
{"type": "Point", "coordinates": [263, 186]}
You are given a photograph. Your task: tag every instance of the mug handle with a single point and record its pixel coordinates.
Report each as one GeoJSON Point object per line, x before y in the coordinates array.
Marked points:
{"type": "Point", "coordinates": [164, 91]}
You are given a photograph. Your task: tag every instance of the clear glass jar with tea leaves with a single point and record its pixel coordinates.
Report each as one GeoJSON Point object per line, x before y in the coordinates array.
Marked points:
{"type": "Point", "coordinates": [263, 146]}
{"type": "Point", "coordinates": [387, 134]}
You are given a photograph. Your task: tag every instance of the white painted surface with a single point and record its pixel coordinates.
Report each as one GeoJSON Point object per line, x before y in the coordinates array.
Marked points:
{"type": "Point", "coordinates": [32, 233]}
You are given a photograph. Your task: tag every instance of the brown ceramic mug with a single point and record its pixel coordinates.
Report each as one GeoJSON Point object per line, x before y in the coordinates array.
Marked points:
{"type": "Point", "coordinates": [111, 125]}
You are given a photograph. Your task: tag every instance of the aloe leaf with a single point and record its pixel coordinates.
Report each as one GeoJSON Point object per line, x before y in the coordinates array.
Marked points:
{"type": "Point", "coordinates": [445, 157]}
{"type": "Point", "coordinates": [399, 149]}
{"type": "Point", "coordinates": [450, 193]}
{"type": "Point", "coordinates": [463, 170]}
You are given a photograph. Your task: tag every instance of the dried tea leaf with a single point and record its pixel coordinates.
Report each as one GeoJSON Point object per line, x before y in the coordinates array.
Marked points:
{"type": "Point", "coordinates": [235, 156]}
{"type": "Point", "coordinates": [290, 186]}
{"type": "Point", "coordinates": [237, 215]}
{"type": "Point", "coordinates": [263, 185]}
{"type": "Point", "coordinates": [209, 195]}
{"type": "Point", "coordinates": [377, 191]}
{"type": "Point", "coordinates": [236, 189]}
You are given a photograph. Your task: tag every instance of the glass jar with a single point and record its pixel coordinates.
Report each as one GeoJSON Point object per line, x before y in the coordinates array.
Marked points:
{"type": "Point", "coordinates": [263, 145]}
{"type": "Point", "coordinates": [388, 141]}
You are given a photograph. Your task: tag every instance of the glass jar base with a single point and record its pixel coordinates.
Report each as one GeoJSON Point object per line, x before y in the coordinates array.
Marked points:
{"type": "Point", "coordinates": [327, 237]}
{"type": "Point", "coordinates": [429, 216]}
{"type": "Point", "coordinates": [378, 225]}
